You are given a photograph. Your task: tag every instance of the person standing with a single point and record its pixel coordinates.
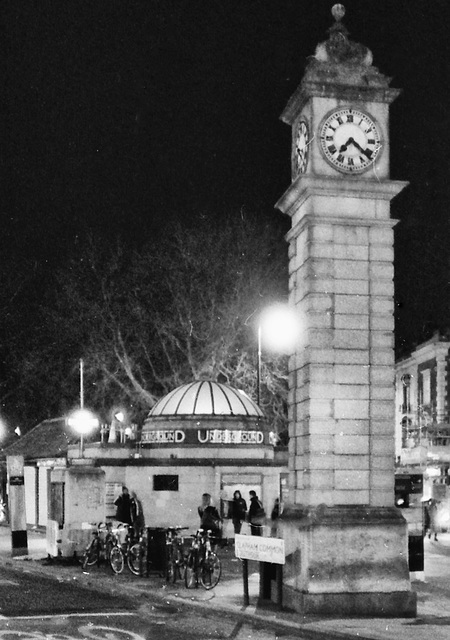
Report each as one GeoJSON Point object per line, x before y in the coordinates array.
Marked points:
{"type": "Point", "coordinates": [256, 514]}
{"type": "Point", "coordinates": [238, 511]}
{"type": "Point", "coordinates": [123, 504]}
{"type": "Point", "coordinates": [137, 514]}
{"type": "Point", "coordinates": [432, 509]}
{"type": "Point", "coordinates": [209, 516]}
{"type": "Point", "coordinates": [276, 512]}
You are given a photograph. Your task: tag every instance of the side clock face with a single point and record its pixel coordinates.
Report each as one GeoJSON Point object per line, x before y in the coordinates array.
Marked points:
{"type": "Point", "coordinates": [301, 142]}
{"type": "Point", "coordinates": [350, 140]}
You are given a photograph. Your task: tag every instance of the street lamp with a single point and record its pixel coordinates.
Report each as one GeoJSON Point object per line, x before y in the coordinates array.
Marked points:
{"type": "Point", "coordinates": [83, 422]}
{"type": "Point", "coordinates": [279, 329]}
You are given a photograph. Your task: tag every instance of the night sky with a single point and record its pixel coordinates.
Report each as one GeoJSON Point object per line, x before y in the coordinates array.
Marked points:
{"type": "Point", "coordinates": [121, 116]}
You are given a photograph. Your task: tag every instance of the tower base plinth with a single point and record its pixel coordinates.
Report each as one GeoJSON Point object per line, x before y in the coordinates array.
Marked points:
{"type": "Point", "coordinates": [347, 562]}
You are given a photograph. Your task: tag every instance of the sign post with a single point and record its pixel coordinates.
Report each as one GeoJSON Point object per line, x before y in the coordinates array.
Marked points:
{"type": "Point", "coordinates": [19, 538]}
{"type": "Point", "coordinates": [264, 550]}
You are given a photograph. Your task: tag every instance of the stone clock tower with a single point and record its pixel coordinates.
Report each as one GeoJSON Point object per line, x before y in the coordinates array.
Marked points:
{"type": "Point", "coordinates": [346, 543]}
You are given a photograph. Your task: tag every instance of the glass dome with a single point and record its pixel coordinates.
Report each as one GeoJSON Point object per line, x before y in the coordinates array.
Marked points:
{"type": "Point", "coordinates": [206, 397]}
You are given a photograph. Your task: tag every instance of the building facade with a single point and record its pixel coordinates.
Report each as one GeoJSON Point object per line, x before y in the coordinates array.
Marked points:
{"type": "Point", "coordinates": [423, 419]}
{"type": "Point", "coordinates": [203, 437]}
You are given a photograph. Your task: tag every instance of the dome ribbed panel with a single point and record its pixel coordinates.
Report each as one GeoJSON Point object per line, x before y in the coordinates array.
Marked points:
{"type": "Point", "coordinates": [237, 406]}
{"type": "Point", "coordinates": [222, 402]}
{"type": "Point", "coordinates": [188, 399]}
{"type": "Point", "coordinates": [169, 404]}
{"type": "Point", "coordinates": [205, 404]}
{"type": "Point", "coordinates": [206, 398]}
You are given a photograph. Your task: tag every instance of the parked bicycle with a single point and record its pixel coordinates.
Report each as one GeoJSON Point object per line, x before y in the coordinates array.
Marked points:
{"type": "Point", "coordinates": [103, 547]}
{"type": "Point", "coordinates": [203, 564]}
{"type": "Point", "coordinates": [175, 560]}
{"type": "Point", "coordinates": [136, 552]}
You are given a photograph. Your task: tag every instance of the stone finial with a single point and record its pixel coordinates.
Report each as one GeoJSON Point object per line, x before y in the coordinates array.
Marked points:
{"type": "Point", "coordinates": [338, 49]}
{"type": "Point", "coordinates": [338, 12]}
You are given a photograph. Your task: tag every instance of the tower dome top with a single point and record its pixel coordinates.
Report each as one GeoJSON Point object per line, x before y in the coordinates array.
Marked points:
{"type": "Point", "coordinates": [340, 61]}
{"type": "Point", "coordinates": [338, 48]}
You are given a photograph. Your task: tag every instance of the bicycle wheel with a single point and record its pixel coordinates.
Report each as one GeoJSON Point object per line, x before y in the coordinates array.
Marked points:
{"type": "Point", "coordinates": [175, 565]}
{"type": "Point", "coordinates": [171, 567]}
{"type": "Point", "coordinates": [134, 559]}
{"type": "Point", "coordinates": [180, 562]}
{"type": "Point", "coordinates": [116, 559]}
{"type": "Point", "coordinates": [92, 554]}
{"type": "Point", "coordinates": [211, 570]}
{"type": "Point", "coordinates": [190, 573]}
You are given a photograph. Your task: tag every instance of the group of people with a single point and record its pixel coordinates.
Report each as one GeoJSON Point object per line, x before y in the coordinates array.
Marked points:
{"type": "Point", "coordinates": [129, 510]}
{"type": "Point", "coordinates": [255, 514]}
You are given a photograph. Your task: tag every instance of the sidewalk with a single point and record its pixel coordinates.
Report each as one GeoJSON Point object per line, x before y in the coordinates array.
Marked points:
{"type": "Point", "coordinates": [433, 619]}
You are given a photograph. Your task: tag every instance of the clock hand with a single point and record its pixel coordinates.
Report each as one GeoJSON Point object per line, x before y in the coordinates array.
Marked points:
{"type": "Point", "coordinates": [344, 147]}
{"type": "Point", "coordinates": [366, 152]}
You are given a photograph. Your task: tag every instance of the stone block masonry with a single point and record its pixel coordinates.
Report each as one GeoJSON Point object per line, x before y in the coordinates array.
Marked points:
{"type": "Point", "coordinates": [343, 393]}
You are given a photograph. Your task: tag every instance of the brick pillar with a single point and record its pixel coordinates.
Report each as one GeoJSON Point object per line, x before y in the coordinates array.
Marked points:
{"type": "Point", "coordinates": [342, 379]}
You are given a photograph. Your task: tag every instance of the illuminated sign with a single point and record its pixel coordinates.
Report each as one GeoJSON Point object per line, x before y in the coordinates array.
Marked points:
{"type": "Point", "coordinates": [169, 436]}
{"type": "Point", "coordinates": [226, 436]}
{"type": "Point", "coordinates": [204, 436]}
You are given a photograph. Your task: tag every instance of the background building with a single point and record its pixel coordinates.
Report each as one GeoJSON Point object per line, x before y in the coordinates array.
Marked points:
{"type": "Point", "coordinates": [423, 419]}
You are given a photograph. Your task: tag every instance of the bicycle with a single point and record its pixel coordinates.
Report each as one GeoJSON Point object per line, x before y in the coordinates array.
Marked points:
{"type": "Point", "coordinates": [203, 564]}
{"type": "Point", "coordinates": [136, 552]}
{"type": "Point", "coordinates": [103, 546]}
{"type": "Point", "coordinates": [175, 560]}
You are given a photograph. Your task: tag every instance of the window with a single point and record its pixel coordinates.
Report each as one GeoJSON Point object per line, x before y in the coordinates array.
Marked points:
{"type": "Point", "coordinates": [426, 387]}
{"type": "Point", "coordinates": [165, 483]}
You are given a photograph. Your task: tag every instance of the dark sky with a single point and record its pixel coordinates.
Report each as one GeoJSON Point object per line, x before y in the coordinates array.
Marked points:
{"type": "Point", "coordinates": [122, 115]}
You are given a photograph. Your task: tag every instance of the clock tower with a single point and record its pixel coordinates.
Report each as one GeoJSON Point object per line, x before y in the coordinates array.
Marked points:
{"type": "Point", "coordinates": [346, 543]}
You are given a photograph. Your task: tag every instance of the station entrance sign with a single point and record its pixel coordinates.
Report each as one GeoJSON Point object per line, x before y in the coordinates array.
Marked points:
{"type": "Point", "coordinates": [259, 548]}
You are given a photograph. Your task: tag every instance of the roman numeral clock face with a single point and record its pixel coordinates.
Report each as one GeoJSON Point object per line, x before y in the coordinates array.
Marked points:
{"type": "Point", "coordinates": [350, 140]}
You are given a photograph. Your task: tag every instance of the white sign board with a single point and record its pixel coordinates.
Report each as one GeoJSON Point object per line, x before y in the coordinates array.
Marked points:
{"type": "Point", "coordinates": [259, 548]}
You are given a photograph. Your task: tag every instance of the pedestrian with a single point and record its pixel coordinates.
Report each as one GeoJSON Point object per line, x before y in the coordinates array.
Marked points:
{"type": "Point", "coordinates": [276, 512]}
{"type": "Point", "coordinates": [238, 511]}
{"type": "Point", "coordinates": [123, 504]}
{"type": "Point", "coordinates": [137, 514]}
{"type": "Point", "coordinates": [426, 518]}
{"type": "Point", "coordinates": [256, 514]}
{"type": "Point", "coordinates": [210, 519]}
{"type": "Point", "coordinates": [432, 509]}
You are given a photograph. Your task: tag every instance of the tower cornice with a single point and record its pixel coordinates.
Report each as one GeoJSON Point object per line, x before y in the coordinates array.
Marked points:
{"type": "Point", "coordinates": [305, 187]}
{"type": "Point", "coordinates": [348, 93]}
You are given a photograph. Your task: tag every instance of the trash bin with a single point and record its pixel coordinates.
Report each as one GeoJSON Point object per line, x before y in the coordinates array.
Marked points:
{"type": "Point", "coordinates": [156, 549]}
{"type": "Point", "coordinates": [415, 553]}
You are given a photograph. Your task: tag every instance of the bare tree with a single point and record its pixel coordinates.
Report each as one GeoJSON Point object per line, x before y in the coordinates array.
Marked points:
{"type": "Point", "coordinates": [184, 307]}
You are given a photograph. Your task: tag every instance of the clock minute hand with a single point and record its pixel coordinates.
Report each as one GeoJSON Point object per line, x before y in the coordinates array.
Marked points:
{"type": "Point", "coordinates": [366, 152]}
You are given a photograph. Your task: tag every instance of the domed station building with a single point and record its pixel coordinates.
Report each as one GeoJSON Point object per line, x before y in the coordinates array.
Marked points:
{"type": "Point", "coordinates": [202, 437]}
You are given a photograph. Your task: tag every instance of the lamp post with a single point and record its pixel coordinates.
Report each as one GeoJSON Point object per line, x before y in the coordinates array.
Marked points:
{"type": "Point", "coordinates": [279, 329]}
{"type": "Point", "coordinates": [83, 422]}
{"type": "Point", "coordinates": [258, 369]}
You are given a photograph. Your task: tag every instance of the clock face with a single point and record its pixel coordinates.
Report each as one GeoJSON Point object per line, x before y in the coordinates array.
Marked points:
{"type": "Point", "coordinates": [300, 155]}
{"type": "Point", "coordinates": [350, 140]}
